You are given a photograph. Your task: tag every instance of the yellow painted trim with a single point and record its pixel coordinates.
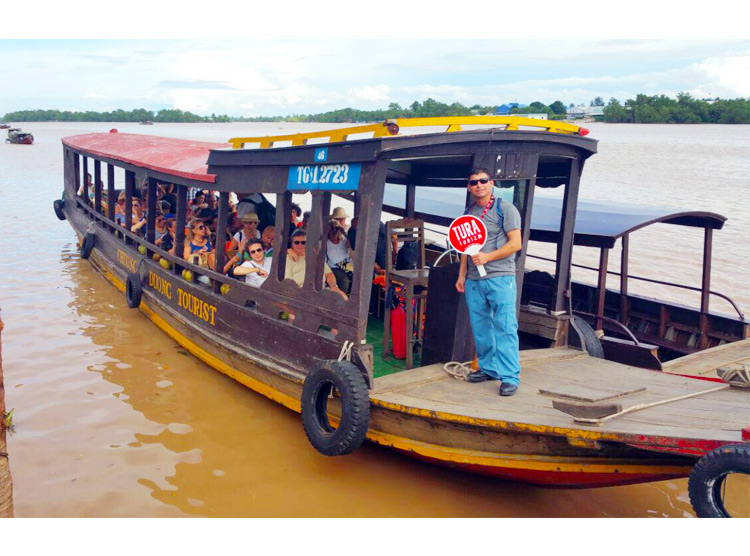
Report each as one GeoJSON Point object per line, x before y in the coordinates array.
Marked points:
{"type": "Point", "coordinates": [380, 129]}
{"type": "Point", "coordinates": [491, 423]}
{"type": "Point", "coordinates": [208, 358]}
{"type": "Point", "coordinates": [524, 461]}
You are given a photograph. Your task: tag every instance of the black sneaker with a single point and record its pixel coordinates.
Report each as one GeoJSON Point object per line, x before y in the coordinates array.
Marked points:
{"type": "Point", "coordinates": [508, 389]}
{"type": "Point", "coordinates": [479, 376]}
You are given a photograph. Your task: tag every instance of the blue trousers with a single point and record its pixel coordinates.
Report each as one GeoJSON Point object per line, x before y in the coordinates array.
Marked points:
{"type": "Point", "coordinates": [492, 311]}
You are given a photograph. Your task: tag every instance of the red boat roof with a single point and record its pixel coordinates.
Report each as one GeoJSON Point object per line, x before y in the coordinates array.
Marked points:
{"type": "Point", "coordinates": [179, 157]}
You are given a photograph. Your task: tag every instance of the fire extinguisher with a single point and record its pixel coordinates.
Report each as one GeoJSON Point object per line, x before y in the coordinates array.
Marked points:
{"type": "Point", "coordinates": [398, 332]}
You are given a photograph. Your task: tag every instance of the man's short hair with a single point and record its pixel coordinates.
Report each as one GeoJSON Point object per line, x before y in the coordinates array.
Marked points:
{"type": "Point", "coordinates": [480, 170]}
{"type": "Point", "coordinates": [299, 232]}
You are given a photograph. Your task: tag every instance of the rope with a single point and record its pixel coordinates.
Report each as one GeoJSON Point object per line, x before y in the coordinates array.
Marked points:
{"type": "Point", "coordinates": [346, 351]}
{"type": "Point", "coordinates": [457, 370]}
{"type": "Point", "coordinates": [737, 376]}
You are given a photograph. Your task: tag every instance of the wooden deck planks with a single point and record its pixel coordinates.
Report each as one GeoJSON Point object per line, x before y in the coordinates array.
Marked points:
{"type": "Point", "coordinates": [719, 415]}
{"type": "Point", "coordinates": [705, 363]}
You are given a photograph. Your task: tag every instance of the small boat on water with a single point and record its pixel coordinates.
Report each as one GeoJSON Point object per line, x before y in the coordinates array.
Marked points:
{"type": "Point", "coordinates": [18, 137]}
{"type": "Point", "coordinates": [147, 122]}
{"type": "Point", "coordinates": [4, 126]}
{"type": "Point", "coordinates": [580, 419]}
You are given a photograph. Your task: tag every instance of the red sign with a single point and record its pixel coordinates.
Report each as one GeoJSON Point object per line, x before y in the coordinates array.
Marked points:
{"type": "Point", "coordinates": [467, 231]}
{"type": "Point", "coordinates": [467, 235]}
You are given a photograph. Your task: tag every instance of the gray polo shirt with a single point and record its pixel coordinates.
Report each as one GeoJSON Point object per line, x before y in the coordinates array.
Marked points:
{"type": "Point", "coordinates": [497, 236]}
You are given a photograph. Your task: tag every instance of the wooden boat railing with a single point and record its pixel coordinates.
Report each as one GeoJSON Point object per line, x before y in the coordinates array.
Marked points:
{"type": "Point", "coordinates": [654, 281]}
{"type": "Point", "coordinates": [392, 127]}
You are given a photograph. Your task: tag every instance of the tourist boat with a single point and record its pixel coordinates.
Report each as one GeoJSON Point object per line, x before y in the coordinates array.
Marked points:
{"type": "Point", "coordinates": [4, 126]}
{"type": "Point", "coordinates": [578, 420]}
{"type": "Point", "coordinates": [18, 137]}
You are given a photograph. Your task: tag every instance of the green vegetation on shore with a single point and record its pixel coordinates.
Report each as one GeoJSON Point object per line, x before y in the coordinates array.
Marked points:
{"type": "Point", "coordinates": [642, 109]}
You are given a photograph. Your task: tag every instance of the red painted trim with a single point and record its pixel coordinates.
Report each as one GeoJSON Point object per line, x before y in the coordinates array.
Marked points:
{"type": "Point", "coordinates": [178, 157]}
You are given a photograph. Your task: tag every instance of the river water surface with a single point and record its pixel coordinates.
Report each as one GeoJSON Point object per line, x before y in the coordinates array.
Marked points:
{"type": "Point", "coordinates": [113, 418]}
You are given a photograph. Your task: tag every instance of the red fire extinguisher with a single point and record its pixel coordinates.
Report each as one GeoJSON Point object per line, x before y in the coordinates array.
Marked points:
{"type": "Point", "coordinates": [398, 332]}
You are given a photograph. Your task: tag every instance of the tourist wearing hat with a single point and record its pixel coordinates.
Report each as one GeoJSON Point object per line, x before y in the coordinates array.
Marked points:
{"type": "Point", "coordinates": [249, 231]}
{"type": "Point", "coordinates": [340, 215]}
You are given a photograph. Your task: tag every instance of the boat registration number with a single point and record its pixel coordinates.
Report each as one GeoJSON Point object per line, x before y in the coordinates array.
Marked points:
{"type": "Point", "coordinates": [325, 176]}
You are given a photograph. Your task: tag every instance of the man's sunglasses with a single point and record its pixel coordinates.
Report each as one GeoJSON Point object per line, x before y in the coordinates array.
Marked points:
{"type": "Point", "coordinates": [256, 251]}
{"type": "Point", "coordinates": [483, 181]}
{"type": "Point", "coordinates": [298, 242]}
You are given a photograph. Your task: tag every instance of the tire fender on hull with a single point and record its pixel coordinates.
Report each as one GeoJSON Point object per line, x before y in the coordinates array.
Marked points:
{"type": "Point", "coordinates": [58, 205]}
{"type": "Point", "coordinates": [133, 290]}
{"type": "Point", "coordinates": [709, 474]}
{"type": "Point", "coordinates": [346, 379]}
{"type": "Point", "coordinates": [89, 239]}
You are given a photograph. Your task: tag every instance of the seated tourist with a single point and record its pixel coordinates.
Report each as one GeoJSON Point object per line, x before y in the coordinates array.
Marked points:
{"type": "Point", "coordinates": [198, 248]}
{"type": "Point", "coordinates": [138, 221]}
{"type": "Point", "coordinates": [166, 241]}
{"type": "Point", "coordinates": [295, 264]}
{"type": "Point", "coordinates": [161, 228]}
{"type": "Point", "coordinates": [267, 238]}
{"type": "Point", "coordinates": [249, 231]}
{"type": "Point", "coordinates": [257, 269]}
{"type": "Point", "coordinates": [338, 254]}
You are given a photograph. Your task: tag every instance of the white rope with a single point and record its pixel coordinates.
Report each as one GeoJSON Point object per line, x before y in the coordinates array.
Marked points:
{"type": "Point", "coordinates": [738, 376]}
{"type": "Point", "coordinates": [346, 351]}
{"type": "Point", "coordinates": [458, 370]}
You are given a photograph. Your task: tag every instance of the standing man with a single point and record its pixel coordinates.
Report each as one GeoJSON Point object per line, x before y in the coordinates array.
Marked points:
{"type": "Point", "coordinates": [492, 300]}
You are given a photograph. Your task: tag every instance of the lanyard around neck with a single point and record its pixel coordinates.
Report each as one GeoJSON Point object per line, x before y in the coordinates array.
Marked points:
{"type": "Point", "coordinates": [487, 207]}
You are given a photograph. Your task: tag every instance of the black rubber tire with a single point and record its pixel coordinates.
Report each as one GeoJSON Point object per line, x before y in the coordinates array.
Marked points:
{"type": "Point", "coordinates": [89, 239]}
{"type": "Point", "coordinates": [58, 206]}
{"type": "Point", "coordinates": [133, 290]}
{"type": "Point", "coordinates": [708, 475]}
{"type": "Point", "coordinates": [346, 378]}
{"type": "Point", "coordinates": [591, 342]}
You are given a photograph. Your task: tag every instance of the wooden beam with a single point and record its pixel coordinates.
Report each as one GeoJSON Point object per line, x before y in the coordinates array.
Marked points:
{"type": "Point", "coordinates": [179, 236]}
{"type": "Point", "coordinates": [111, 198]}
{"type": "Point", "coordinates": [151, 210]}
{"type": "Point", "coordinates": [561, 300]}
{"type": "Point", "coordinates": [97, 186]}
{"type": "Point", "coordinates": [624, 257]}
{"type": "Point", "coordinates": [86, 179]}
{"type": "Point", "coordinates": [129, 188]}
{"type": "Point", "coordinates": [601, 289]}
{"type": "Point", "coordinates": [221, 232]}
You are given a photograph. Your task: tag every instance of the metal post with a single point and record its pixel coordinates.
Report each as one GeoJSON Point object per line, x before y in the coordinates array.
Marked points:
{"type": "Point", "coordinates": [411, 196]}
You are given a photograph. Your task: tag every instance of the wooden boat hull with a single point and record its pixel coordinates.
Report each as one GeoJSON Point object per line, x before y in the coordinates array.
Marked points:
{"type": "Point", "coordinates": [532, 457]}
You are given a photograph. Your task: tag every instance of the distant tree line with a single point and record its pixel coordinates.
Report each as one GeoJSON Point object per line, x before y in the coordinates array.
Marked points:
{"type": "Point", "coordinates": [138, 115]}
{"type": "Point", "coordinates": [684, 110]}
{"type": "Point", "coordinates": [642, 109]}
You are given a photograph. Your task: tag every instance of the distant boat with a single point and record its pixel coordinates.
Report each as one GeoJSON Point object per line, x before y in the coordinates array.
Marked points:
{"type": "Point", "coordinates": [19, 137]}
{"type": "Point", "coordinates": [4, 126]}
{"type": "Point", "coordinates": [147, 122]}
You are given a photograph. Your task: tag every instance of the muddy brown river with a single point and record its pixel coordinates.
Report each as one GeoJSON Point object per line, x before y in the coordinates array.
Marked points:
{"type": "Point", "coordinates": [113, 418]}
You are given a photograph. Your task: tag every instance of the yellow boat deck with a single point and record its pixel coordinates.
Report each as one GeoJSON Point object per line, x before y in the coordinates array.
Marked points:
{"type": "Point", "coordinates": [571, 375]}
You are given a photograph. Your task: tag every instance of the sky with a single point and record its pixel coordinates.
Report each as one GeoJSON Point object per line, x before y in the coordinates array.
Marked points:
{"type": "Point", "coordinates": [275, 75]}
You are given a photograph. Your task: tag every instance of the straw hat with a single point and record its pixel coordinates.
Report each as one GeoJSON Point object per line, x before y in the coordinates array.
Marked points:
{"type": "Point", "coordinates": [250, 217]}
{"type": "Point", "coordinates": [338, 213]}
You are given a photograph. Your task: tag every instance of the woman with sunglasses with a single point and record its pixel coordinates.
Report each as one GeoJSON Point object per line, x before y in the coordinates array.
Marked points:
{"type": "Point", "coordinates": [257, 269]}
{"type": "Point", "coordinates": [198, 246]}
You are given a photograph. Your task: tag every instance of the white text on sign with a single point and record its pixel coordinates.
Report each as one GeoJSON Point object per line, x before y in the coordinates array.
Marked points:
{"type": "Point", "coordinates": [467, 233]}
